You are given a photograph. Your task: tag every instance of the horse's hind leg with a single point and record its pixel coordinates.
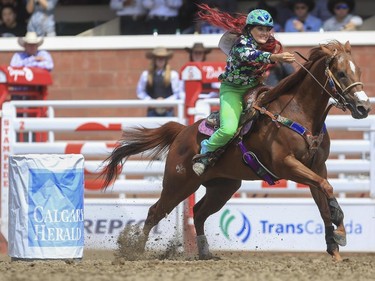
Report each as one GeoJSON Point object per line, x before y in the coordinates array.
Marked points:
{"type": "Point", "coordinates": [169, 199]}
{"type": "Point", "coordinates": [218, 192]}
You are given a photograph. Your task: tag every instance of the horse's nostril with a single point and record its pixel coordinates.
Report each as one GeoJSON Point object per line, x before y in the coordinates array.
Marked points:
{"type": "Point", "coordinates": [363, 110]}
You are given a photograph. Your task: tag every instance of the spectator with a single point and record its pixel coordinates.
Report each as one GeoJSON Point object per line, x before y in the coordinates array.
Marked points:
{"type": "Point", "coordinates": [302, 21]}
{"type": "Point", "coordinates": [283, 12]}
{"type": "Point", "coordinates": [32, 56]}
{"type": "Point", "coordinates": [42, 20]}
{"type": "Point", "coordinates": [10, 27]}
{"type": "Point", "coordinates": [20, 10]}
{"type": "Point", "coordinates": [320, 10]}
{"type": "Point", "coordinates": [204, 27]}
{"type": "Point", "coordinates": [198, 53]}
{"type": "Point", "coordinates": [342, 19]}
{"type": "Point", "coordinates": [132, 16]}
{"type": "Point", "coordinates": [187, 16]}
{"type": "Point", "coordinates": [228, 6]}
{"type": "Point", "coordinates": [162, 17]}
{"type": "Point", "coordinates": [190, 24]}
{"type": "Point", "coordinates": [159, 82]}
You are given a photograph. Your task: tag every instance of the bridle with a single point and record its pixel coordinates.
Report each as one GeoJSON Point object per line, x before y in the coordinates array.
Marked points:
{"type": "Point", "coordinates": [339, 98]}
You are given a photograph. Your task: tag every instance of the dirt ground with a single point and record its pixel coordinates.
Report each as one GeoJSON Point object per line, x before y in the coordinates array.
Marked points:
{"type": "Point", "coordinates": [257, 266]}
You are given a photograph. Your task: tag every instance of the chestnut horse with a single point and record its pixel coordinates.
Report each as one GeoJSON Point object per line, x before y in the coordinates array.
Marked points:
{"type": "Point", "coordinates": [302, 98]}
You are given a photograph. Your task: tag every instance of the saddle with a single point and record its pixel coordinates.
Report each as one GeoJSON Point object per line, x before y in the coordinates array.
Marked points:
{"type": "Point", "coordinates": [248, 116]}
{"type": "Point", "coordinates": [212, 122]}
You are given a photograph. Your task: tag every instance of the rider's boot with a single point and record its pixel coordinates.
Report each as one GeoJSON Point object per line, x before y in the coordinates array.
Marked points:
{"type": "Point", "coordinates": [200, 161]}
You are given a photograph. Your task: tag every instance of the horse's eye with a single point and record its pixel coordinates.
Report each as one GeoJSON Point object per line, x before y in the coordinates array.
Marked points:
{"type": "Point", "coordinates": [341, 74]}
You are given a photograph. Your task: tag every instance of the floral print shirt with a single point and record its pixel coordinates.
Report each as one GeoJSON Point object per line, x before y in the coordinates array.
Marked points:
{"type": "Point", "coordinates": [245, 63]}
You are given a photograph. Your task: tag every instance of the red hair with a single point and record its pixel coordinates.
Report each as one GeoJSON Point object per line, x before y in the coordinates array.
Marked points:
{"type": "Point", "coordinates": [234, 25]}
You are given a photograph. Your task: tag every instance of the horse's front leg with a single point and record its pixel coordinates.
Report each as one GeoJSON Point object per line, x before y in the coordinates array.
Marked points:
{"type": "Point", "coordinates": [333, 237]}
{"type": "Point", "coordinates": [322, 193]}
{"type": "Point", "coordinates": [335, 211]}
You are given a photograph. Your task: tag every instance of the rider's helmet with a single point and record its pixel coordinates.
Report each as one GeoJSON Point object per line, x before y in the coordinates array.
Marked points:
{"type": "Point", "coordinates": [259, 17]}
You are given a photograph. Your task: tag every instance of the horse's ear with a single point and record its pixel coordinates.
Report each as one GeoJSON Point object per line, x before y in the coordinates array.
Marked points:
{"type": "Point", "coordinates": [325, 49]}
{"type": "Point", "coordinates": [347, 47]}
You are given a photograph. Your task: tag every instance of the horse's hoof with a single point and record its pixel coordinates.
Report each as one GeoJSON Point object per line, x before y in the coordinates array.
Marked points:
{"type": "Point", "coordinates": [340, 238]}
{"type": "Point", "coordinates": [337, 215]}
{"type": "Point", "coordinates": [336, 257]}
{"type": "Point", "coordinates": [333, 250]}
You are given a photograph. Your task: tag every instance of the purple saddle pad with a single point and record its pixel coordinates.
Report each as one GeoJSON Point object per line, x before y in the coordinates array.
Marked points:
{"type": "Point", "coordinates": [204, 129]}
{"type": "Point", "coordinates": [209, 130]}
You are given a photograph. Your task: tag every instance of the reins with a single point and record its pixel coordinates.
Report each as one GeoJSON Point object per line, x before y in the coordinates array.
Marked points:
{"type": "Point", "coordinates": [314, 140]}
{"type": "Point", "coordinates": [332, 81]}
{"type": "Point", "coordinates": [316, 80]}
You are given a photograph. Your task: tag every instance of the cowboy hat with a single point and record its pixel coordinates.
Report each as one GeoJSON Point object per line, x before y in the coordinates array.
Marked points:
{"type": "Point", "coordinates": [159, 52]}
{"type": "Point", "coordinates": [198, 47]}
{"type": "Point", "coordinates": [30, 38]}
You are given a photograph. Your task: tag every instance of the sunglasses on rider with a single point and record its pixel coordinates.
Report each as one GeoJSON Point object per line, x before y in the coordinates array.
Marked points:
{"type": "Point", "coordinates": [341, 7]}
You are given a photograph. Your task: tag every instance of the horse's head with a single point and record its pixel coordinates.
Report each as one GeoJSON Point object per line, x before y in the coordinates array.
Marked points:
{"type": "Point", "coordinates": [344, 79]}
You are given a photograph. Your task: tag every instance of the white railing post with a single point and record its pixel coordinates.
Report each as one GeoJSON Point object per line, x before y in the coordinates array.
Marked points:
{"type": "Point", "coordinates": [372, 160]}
{"type": "Point", "coordinates": [8, 137]}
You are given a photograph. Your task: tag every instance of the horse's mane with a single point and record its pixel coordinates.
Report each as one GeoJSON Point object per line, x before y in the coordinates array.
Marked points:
{"type": "Point", "coordinates": [295, 78]}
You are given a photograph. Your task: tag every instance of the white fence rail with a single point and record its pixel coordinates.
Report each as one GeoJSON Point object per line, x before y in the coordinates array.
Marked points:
{"type": "Point", "coordinates": [94, 152]}
{"type": "Point", "coordinates": [352, 163]}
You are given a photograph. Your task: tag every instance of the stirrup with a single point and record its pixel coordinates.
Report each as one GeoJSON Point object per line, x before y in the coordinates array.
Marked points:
{"type": "Point", "coordinates": [199, 168]}
{"type": "Point", "coordinates": [200, 163]}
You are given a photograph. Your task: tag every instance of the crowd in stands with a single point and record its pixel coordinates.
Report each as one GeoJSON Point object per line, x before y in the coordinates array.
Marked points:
{"type": "Point", "coordinates": [19, 16]}
{"type": "Point", "coordinates": [313, 15]}
{"type": "Point", "coordinates": [180, 16]}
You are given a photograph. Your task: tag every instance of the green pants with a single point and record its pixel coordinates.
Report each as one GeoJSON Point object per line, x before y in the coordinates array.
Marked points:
{"type": "Point", "coordinates": [231, 106]}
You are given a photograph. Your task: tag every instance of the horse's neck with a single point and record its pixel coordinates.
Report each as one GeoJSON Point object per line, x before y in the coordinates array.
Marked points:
{"type": "Point", "coordinates": [307, 103]}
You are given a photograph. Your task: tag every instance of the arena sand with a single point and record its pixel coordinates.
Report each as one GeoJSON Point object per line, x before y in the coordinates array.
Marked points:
{"type": "Point", "coordinates": [256, 266]}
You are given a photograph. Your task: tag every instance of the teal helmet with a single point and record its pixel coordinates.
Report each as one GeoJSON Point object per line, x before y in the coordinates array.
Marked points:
{"type": "Point", "coordinates": [259, 17]}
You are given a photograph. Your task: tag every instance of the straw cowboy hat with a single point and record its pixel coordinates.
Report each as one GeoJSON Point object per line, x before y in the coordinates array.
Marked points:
{"type": "Point", "coordinates": [198, 47]}
{"type": "Point", "coordinates": [159, 52]}
{"type": "Point", "coordinates": [30, 38]}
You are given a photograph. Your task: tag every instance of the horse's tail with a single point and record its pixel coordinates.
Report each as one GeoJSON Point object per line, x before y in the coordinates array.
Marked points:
{"type": "Point", "coordinates": [136, 141]}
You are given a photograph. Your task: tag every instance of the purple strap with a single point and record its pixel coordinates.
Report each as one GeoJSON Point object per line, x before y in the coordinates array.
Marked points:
{"type": "Point", "coordinates": [254, 165]}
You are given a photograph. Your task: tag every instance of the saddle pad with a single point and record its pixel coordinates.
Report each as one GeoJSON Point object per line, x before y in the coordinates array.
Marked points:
{"type": "Point", "coordinates": [204, 129]}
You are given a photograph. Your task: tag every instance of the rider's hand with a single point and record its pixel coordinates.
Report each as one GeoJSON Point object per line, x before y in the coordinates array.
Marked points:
{"type": "Point", "coordinates": [283, 57]}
